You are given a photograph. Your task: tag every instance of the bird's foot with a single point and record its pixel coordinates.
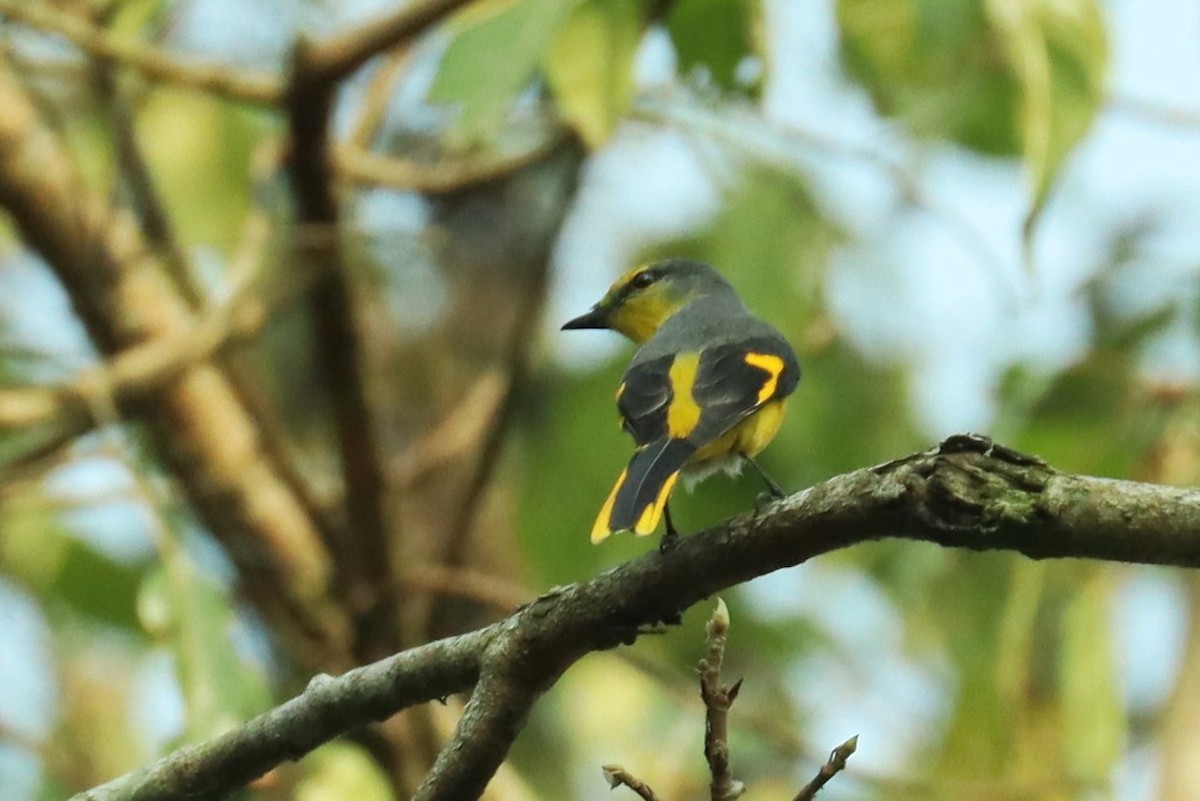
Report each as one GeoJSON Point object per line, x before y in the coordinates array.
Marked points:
{"type": "Point", "coordinates": [669, 541]}
{"type": "Point", "coordinates": [765, 499]}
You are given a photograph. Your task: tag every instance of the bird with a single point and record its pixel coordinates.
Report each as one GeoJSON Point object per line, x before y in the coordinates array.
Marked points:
{"type": "Point", "coordinates": [705, 391]}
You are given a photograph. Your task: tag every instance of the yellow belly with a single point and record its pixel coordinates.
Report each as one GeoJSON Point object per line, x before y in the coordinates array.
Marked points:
{"type": "Point", "coordinates": [747, 438]}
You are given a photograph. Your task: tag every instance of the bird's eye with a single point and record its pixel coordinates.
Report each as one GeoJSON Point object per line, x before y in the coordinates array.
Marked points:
{"type": "Point", "coordinates": [643, 280]}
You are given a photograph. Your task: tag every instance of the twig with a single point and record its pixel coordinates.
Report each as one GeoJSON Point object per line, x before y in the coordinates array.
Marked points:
{"type": "Point", "coordinates": [1155, 111]}
{"type": "Point", "coordinates": [767, 142]}
{"type": "Point", "coordinates": [452, 174]}
{"type": "Point", "coordinates": [378, 97]}
{"type": "Point", "coordinates": [832, 767]}
{"type": "Point", "coordinates": [155, 63]}
{"type": "Point", "coordinates": [136, 176]}
{"type": "Point", "coordinates": [333, 59]}
{"type": "Point", "coordinates": [717, 701]}
{"type": "Point", "coordinates": [617, 776]}
{"type": "Point", "coordinates": [502, 593]}
{"type": "Point", "coordinates": [461, 429]}
{"type": "Point", "coordinates": [133, 374]}
{"type": "Point", "coordinates": [968, 492]}
{"type": "Point", "coordinates": [336, 57]}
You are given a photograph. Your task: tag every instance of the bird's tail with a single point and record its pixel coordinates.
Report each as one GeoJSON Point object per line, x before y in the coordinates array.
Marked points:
{"type": "Point", "coordinates": [637, 501]}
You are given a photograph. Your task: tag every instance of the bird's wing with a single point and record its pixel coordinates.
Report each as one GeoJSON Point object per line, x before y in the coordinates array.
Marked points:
{"type": "Point", "coordinates": [643, 398]}
{"type": "Point", "coordinates": [735, 379]}
{"type": "Point", "coordinates": [677, 404]}
{"type": "Point", "coordinates": [698, 396]}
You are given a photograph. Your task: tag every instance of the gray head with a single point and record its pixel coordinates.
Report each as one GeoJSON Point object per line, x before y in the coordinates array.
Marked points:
{"type": "Point", "coordinates": [642, 299]}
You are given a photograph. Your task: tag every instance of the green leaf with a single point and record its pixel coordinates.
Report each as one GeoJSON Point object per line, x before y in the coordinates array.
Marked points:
{"type": "Point", "coordinates": [61, 569]}
{"type": "Point", "coordinates": [692, 24]}
{"type": "Point", "coordinates": [1004, 77]}
{"type": "Point", "coordinates": [1058, 51]}
{"type": "Point", "coordinates": [194, 617]}
{"type": "Point", "coordinates": [493, 59]}
{"type": "Point", "coordinates": [935, 65]}
{"type": "Point", "coordinates": [590, 66]}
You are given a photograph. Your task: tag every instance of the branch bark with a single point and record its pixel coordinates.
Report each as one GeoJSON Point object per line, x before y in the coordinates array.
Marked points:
{"type": "Point", "coordinates": [966, 493]}
{"type": "Point", "coordinates": [122, 294]}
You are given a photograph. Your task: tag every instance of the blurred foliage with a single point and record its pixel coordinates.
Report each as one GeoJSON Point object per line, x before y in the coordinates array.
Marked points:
{"type": "Point", "coordinates": [1001, 77]}
{"type": "Point", "coordinates": [1027, 698]}
{"type": "Point", "coordinates": [690, 24]}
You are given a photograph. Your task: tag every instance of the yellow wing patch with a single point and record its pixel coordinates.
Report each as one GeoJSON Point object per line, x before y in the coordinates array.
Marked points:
{"type": "Point", "coordinates": [773, 365]}
{"type": "Point", "coordinates": [683, 413]}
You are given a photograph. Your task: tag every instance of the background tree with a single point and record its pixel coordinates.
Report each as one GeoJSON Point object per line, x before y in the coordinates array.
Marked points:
{"type": "Point", "coordinates": [276, 291]}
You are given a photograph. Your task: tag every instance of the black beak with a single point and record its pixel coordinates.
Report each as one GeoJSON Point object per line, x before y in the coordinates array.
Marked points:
{"type": "Point", "coordinates": [595, 318]}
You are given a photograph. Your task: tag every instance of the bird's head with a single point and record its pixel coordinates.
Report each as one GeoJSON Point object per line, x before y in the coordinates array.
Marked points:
{"type": "Point", "coordinates": [642, 299]}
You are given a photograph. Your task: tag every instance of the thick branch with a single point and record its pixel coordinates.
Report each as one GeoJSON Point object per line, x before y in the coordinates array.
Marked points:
{"type": "Point", "coordinates": [966, 493]}
{"type": "Point", "coordinates": [121, 293]}
{"type": "Point", "coordinates": [132, 376]}
{"type": "Point", "coordinates": [364, 560]}
{"type": "Point", "coordinates": [328, 707]}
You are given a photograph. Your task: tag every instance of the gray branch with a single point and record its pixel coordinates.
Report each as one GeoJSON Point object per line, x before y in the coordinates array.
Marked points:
{"type": "Point", "coordinates": [966, 493]}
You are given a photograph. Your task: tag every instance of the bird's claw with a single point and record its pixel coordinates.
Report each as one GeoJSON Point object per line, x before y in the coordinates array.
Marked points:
{"type": "Point", "coordinates": [765, 499]}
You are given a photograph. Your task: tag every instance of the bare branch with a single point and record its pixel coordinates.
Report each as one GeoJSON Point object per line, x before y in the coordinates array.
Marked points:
{"type": "Point", "coordinates": [328, 707]}
{"type": "Point", "coordinates": [335, 58]}
{"type": "Point", "coordinates": [154, 63]}
{"type": "Point", "coordinates": [332, 60]}
{"type": "Point", "coordinates": [378, 97]}
{"type": "Point", "coordinates": [461, 430]}
{"type": "Point", "coordinates": [617, 776]}
{"type": "Point", "coordinates": [966, 493]}
{"type": "Point", "coordinates": [132, 375]}
{"type": "Point", "coordinates": [717, 701]}
{"type": "Point", "coordinates": [124, 299]}
{"type": "Point", "coordinates": [362, 561]}
{"type": "Point", "coordinates": [441, 177]}
{"type": "Point", "coordinates": [832, 767]}
{"type": "Point", "coordinates": [463, 582]}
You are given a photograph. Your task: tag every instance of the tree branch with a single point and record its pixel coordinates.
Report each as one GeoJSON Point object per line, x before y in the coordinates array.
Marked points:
{"type": "Point", "coordinates": [832, 767]}
{"type": "Point", "coordinates": [132, 375]}
{"type": "Point", "coordinates": [152, 62]}
{"type": "Point", "coordinates": [363, 561]}
{"type": "Point", "coordinates": [717, 701]}
{"type": "Point", "coordinates": [327, 708]}
{"type": "Point", "coordinates": [966, 493]}
{"type": "Point", "coordinates": [336, 57]}
{"type": "Point", "coordinates": [617, 776]}
{"type": "Point", "coordinates": [121, 293]}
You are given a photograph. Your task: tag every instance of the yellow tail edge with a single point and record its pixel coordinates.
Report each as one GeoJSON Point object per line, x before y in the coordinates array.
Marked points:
{"type": "Point", "coordinates": [647, 521]}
